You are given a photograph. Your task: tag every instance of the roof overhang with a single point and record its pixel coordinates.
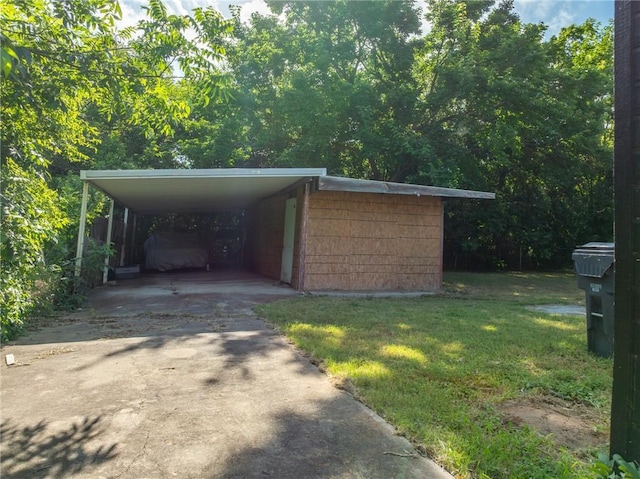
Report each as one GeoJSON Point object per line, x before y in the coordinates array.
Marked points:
{"type": "Point", "coordinates": [334, 183]}
{"type": "Point", "coordinates": [196, 191]}
{"type": "Point", "coordinates": [210, 190]}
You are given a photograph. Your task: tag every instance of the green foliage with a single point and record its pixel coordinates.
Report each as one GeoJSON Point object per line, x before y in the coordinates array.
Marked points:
{"type": "Point", "coordinates": [528, 119]}
{"type": "Point", "coordinates": [480, 101]}
{"type": "Point", "coordinates": [30, 221]}
{"type": "Point", "coordinates": [78, 93]}
{"type": "Point", "coordinates": [328, 84]}
{"type": "Point", "coordinates": [615, 468]}
{"type": "Point", "coordinates": [69, 290]}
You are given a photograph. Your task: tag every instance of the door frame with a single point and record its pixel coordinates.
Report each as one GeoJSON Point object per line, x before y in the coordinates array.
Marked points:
{"type": "Point", "coordinates": [288, 240]}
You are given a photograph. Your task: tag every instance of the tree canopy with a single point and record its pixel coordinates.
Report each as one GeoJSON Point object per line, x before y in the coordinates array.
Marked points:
{"type": "Point", "coordinates": [75, 92]}
{"type": "Point", "coordinates": [480, 100]}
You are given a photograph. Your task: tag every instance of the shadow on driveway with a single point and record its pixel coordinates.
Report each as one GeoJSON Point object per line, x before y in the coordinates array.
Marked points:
{"type": "Point", "coordinates": [52, 451]}
{"type": "Point", "coordinates": [173, 391]}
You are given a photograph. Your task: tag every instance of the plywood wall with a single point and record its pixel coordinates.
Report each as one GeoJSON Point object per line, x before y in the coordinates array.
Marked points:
{"type": "Point", "coordinates": [368, 241]}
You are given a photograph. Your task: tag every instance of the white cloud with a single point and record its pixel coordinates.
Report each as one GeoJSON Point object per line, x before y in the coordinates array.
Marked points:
{"type": "Point", "coordinates": [559, 14]}
{"type": "Point", "coordinates": [132, 9]}
{"type": "Point", "coordinates": [252, 6]}
{"type": "Point", "coordinates": [535, 9]}
{"type": "Point", "coordinates": [131, 12]}
{"type": "Point", "coordinates": [553, 13]}
{"type": "Point", "coordinates": [180, 7]}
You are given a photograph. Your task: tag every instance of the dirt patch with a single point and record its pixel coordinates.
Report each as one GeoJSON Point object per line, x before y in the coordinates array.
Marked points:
{"type": "Point", "coordinates": [569, 424]}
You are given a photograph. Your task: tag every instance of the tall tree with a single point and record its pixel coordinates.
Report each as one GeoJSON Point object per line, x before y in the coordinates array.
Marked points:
{"type": "Point", "coordinates": [508, 112]}
{"type": "Point", "coordinates": [329, 85]}
{"type": "Point", "coordinates": [68, 77]}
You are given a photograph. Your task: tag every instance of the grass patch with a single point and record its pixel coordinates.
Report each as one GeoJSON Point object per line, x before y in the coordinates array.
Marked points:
{"type": "Point", "coordinates": [442, 368]}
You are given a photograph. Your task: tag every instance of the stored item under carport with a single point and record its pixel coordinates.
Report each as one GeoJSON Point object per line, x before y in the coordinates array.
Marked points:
{"type": "Point", "coordinates": [594, 263]}
{"type": "Point", "coordinates": [127, 272]}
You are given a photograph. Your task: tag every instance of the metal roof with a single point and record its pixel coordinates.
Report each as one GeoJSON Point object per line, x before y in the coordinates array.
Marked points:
{"type": "Point", "coordinates": [203, 191]}
{"type": "Point", "coordinates": [334, 183]}
{"type": "Point", "coordinates": [195, 191]}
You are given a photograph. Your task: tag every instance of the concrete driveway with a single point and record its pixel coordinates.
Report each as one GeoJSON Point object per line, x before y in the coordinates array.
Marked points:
{"type": "Point", "coordinates": [174, 376]}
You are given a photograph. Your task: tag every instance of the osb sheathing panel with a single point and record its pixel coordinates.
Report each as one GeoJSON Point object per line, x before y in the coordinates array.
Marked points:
{"type": "Point", "coordinates": [328, 268]}
{"type": "Point", "coordinates": [417, 248]}
{"type": "Point", "coordinates": [367, 241]}
{"type": "Point", "coordinates": [327, 247]}
{"type": "Point", "coordinates": [327, 259]}
{"type": "Point", "coordinates": [414, 282]}
{"type": "Point", "coordinates": [329, 227]}
{"type": "Point", "coordinates": [373, 281]}
{"type": "Point", "coordinates": [369, 259]}
{"type": "Point", "coordinates": [373, 229]}
{"type": "Point", "coordinates": [328, 281]}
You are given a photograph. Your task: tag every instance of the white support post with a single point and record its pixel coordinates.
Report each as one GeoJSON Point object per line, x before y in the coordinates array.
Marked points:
{"type": "Point", "coordinates": [124, 236]}
{"type": "Point", "coordinates": [105, 273]}
{"type": "Point", "coordinates": [82, 227]}
{"type": "Point", "coordinates": [134, 226]}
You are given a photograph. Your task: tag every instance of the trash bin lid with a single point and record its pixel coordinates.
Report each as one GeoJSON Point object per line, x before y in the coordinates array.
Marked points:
{"type": "Point", "coordinates": [594, 259]}
{"type": "Point", "coordinates": [599, 246]}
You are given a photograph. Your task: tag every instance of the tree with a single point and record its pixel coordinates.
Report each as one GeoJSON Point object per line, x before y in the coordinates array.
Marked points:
{"type": "Point", "coordinates": [69, 81]}
{"type": "Point", "coordinates": [41, 99]}
{"type": "Point", "coordinates": [480, 101]}
{"type": "Point", "coordinates": [328, 84]}
{"type": "Point", "coordinates": [510, 113]}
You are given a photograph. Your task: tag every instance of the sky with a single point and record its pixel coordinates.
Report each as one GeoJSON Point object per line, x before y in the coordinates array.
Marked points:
{"type": "Point", "coordinates": [556, 14]}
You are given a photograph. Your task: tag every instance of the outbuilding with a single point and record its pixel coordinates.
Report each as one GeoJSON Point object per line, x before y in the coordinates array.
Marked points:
{"type": "Point", "coordinates": [300, 226]}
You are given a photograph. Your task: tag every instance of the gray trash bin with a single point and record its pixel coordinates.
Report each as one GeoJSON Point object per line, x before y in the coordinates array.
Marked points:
{"type": "Point", "coordinates": [594, 268]}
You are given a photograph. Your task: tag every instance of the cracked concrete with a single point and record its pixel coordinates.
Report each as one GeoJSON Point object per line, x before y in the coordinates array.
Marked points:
{"type": "Point", "coordinates": [145, 383]}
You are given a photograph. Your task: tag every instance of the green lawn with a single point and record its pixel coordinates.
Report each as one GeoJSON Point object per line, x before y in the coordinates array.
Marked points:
{"type": "Point", "coordinates": [442, 368]}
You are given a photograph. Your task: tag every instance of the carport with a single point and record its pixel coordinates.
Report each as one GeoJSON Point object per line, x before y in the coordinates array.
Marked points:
{"type": "Point", "coordinates": [305, 228]}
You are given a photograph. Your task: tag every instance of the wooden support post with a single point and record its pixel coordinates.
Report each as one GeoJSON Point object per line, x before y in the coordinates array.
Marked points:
{"type": "Point", "coordinates": [625, 408]}
{"type": "Point", "coordinates": [82, 227]}
{"type": "Point", "coordinates": [105, 273]}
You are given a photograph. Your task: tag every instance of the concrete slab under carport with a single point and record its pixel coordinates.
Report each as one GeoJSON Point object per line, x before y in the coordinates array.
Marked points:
{"type": "Point", "coordinates": [173, 375]}
{"type": "Point", "coordinates": [190, 292]}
